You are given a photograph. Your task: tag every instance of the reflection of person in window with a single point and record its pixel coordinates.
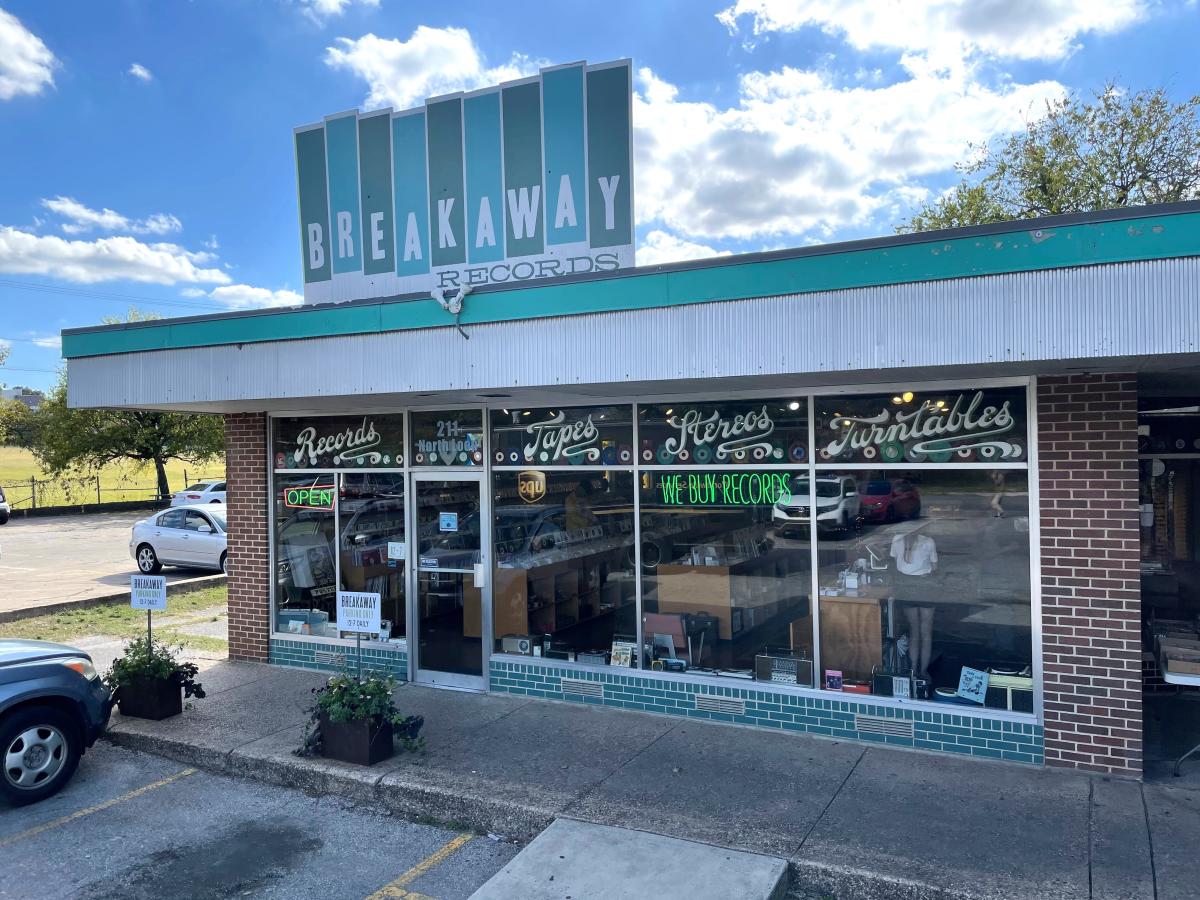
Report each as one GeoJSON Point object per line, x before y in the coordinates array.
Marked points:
{"type": "Point", "coordinates": [578, 507]}
{"type": "Point", "coordinates": [998, 496]}
{"type": "Point", "coordinates": [916, 561]}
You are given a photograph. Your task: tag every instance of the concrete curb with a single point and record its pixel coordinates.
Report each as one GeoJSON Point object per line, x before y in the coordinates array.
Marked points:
{"type": "Point", "coordinates": [402, 793]}
{"type": "Point", "coordinates": [122, 596]}
{"type": "Point", "coordinates": [88, 509]}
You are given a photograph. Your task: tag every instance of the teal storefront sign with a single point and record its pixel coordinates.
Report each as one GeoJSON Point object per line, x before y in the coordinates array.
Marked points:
{"type": "Point", "coordinates": [523, 181]}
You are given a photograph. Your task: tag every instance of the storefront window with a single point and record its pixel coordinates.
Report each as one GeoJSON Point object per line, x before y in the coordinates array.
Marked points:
{"type": "Point", "coordinates": [371, 547]}
{"type": "Point", "coordinates": [726, 567]}
{"type": "Point", "coordinates": [959, 426]}
{"type": "Point", "coordinates": [594, 436]}
{"type": "Point", "coordinates": [338, 442]}
{"type": "Point", "coordinates": [447, 438]}
{"type": "Point", "coordinates": [305, 571]}
{"type": "Point", "coordinates": [564, 577]}
{"type": "Point", "coordinates": [734, 432]}
{"type": "Point", "coordinates": [924, 581]}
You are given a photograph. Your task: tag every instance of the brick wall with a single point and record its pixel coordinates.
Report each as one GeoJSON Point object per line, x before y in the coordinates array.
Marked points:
{"type": "Point", "coordinates": [1091, 598]}
{"type": "Point", "coordinates": [249, 571]}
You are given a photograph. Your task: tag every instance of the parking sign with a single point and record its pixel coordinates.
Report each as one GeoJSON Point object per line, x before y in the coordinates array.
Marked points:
{"type": "Point", "coordinates": [148, 592]}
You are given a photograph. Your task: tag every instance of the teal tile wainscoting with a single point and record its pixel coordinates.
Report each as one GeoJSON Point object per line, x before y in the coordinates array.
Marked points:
{"type": "Point", "coordinates": [952, 731]}
{"type": "Point", "coordinates": [338, 657]}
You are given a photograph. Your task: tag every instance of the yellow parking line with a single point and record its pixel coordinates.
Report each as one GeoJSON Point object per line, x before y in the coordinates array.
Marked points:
{"type": "Point", "coordinates": [394, 890]}
{"type": "Point", "coordinates": [4, 842]}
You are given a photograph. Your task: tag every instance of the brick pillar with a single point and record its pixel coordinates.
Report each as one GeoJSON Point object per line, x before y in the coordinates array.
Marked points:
{"type": "Point", "coordinates": [249, 570]}
{"type": "Point", "coordinates": [1091, 595]}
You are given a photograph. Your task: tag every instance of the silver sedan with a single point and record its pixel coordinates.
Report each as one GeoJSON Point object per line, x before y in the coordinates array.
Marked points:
{"type": "Point", "coordinates": [180, 536]}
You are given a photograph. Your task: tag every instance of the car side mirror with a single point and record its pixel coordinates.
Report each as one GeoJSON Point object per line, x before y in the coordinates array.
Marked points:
{"type": "Point", "coordinates": [851, 493]}
{"type": "Point", "coordinates": [205, 529]}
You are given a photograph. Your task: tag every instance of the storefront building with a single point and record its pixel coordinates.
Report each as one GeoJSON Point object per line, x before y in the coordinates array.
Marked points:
{"type": "Point", "coordinates": [884, 492]}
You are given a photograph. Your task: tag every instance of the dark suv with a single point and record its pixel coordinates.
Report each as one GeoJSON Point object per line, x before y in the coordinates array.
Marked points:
{"type": "Point", "coordinates": [53, 706]}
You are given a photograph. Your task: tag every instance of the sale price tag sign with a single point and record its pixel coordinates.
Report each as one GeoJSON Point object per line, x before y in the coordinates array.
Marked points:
{"type": "Point", "coordinates": [148, 592]}
{"type": "Point", "coordinates": [358, 611]}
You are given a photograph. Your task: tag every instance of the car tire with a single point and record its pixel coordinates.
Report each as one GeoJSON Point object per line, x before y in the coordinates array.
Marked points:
{"type": "Point", "coordinates": [147, 560]}
{"type": "Point", "coordinates": [44, 745]}
{"type": "Point", "coordinates": [224, 563]}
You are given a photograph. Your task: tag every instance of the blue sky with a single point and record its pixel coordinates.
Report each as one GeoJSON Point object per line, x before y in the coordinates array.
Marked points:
{"type": "Point", "coordinates": [147, 146]}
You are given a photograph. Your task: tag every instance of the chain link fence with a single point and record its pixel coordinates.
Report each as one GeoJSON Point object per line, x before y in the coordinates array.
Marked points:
{"type": "Point", "coordinates": [37, 493]}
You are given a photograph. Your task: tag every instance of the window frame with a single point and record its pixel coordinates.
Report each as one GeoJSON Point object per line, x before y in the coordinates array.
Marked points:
{"type": "Point", "coordinates": [1028, 463]}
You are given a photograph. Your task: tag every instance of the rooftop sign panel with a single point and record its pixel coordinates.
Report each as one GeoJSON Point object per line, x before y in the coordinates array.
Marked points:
{"type": "Point", "coordinates": [527, 180]}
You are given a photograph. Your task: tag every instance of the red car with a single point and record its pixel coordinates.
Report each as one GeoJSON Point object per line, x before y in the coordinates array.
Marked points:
{"type": "Point", "coordinates": [886, 500]}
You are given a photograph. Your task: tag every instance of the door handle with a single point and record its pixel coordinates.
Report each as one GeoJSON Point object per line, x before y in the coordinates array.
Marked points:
{"type": "Point", "coordinates": [479, 578]}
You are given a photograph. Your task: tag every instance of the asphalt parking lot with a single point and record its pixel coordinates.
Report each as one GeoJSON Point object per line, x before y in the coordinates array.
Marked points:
{"type": "Point", "coordinates": [61, 558]}
{"type": "Point", "coordinates": [135, 826]}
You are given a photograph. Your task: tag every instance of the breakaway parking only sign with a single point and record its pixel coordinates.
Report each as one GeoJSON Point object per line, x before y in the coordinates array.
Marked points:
{"type": "Point", "coordinates": [358, 611]}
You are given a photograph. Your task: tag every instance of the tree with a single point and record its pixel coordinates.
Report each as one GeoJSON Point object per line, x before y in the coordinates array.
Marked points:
{"type": "Point", "coordinates": [1111, 150]}
{"type": "Point", "coordinates": [16, 424]}
{"type": "Point", "coordinates": [67, 440]}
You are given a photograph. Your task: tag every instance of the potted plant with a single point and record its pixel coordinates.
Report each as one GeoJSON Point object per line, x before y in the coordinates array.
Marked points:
{"type": "Point", "coordinates": [355, 720]}
{"type": "Point", "coordinates": [148, 682]}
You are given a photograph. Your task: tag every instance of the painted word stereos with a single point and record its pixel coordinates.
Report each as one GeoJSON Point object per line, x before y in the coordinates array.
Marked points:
{"type": "Point", "coordinates": [726, 437]}
{"type": "Point", "coordinates": [557, 439]}
{"type": "Point", "coordinates": [929, 429]}
{"type": "Point", "coordinates": [346, 446]}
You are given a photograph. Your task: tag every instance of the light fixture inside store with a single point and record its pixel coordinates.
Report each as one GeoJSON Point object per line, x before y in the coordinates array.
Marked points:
{"type": "Point", "coordinates": [907, 395]}
{"type": "Point", "coordinates": [794, 405]}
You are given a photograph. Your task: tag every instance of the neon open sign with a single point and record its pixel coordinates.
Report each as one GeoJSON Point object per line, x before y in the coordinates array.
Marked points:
{"type": "Point", "coordinates": [315, 497]}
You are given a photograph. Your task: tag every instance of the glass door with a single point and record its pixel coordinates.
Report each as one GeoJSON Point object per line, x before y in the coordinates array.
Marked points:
{"type": "Point", "coordinates": [453, 540]}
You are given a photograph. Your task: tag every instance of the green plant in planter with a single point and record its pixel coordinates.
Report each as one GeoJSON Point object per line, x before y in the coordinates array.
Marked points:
{"type": "Point", "coordinates": [347, 698]}
{"type": "Point", "coordinates": [147, 679]}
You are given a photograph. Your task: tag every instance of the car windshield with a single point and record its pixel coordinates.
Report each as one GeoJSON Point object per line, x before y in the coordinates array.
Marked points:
{"type": "Point", "coordinates": [199, 486]}
{"type": "Point", "coordinates": [217, 516]}
{"type": "Point", "coordinates": [875, 488]}
{"type": "Point", "coordinates": [826, 487]}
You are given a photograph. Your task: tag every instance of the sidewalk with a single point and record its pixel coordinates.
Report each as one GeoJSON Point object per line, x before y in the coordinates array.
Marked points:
{"type": "Point", "coordinates": [852, 821]}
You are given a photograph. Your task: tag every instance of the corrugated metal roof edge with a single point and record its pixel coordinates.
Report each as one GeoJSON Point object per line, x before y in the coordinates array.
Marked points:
{"type": "Point", "coordinates": [895, 259]}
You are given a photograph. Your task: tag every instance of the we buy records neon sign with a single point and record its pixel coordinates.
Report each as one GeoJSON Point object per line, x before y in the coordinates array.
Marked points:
{"type": "Point", "coordinates": [317, 496]}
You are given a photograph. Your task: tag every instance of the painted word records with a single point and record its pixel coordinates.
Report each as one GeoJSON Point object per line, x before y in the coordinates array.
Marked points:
{"type": "Point", "coordinates": [530, 179]}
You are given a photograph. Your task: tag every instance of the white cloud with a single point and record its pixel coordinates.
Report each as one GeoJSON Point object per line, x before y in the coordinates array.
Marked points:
{"type": "Point", "coordinates": [193, 292]}
{"type": "Point", "coordinates": [432, 62]}
{"type": "Point", "coordinates": [244, 296]}
{"type": "Point", "coordinates": [137, 70]}
{"type": "Point", "coordinates": [662, 247]}
{"type": "Point", "coordinates": [320, 10]}
{"type": "Point", "coordinates": [800, 152]}
{"type": "Point", "coordinates": [26, 64]}
{"type": "Point", "coordinates": [83, 219]}
{"type": "Point", "coordinates": [120, 258]}
{"type": "Point", "coordinates": [945, 29]}
{"type": "Point", "coordinates": [211, 243]}
{"type": "Point", "coordinates": [53, 342]}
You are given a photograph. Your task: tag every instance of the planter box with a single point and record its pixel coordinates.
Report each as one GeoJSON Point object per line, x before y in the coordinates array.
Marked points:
{"type": "Point", "coordinates": [151, 698]}
{"type": "Point", "coordinates": [363, 742]}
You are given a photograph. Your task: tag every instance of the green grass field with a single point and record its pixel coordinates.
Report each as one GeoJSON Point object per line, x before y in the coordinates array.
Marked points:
{"type": "Point", "coordinates": [122, 481]}
{"type": "Point", "coordinates": [120, 621]}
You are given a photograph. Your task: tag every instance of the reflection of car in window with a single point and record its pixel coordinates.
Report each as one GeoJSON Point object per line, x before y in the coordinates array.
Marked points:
{"type": "Point", "coordinates": [885, 500]}
{"type": "Point", "coordinates": [838, 505]}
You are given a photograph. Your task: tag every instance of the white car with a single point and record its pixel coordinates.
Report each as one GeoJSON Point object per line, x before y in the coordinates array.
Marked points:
{"type": "Point", "coordinates": [200, 492]}
{"type": "Point", "coordinates": [5, 509]}
{"type": "Point", "coordinates": [191, 536]}
{"type": "Point", "coordinates": [838, 505]}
